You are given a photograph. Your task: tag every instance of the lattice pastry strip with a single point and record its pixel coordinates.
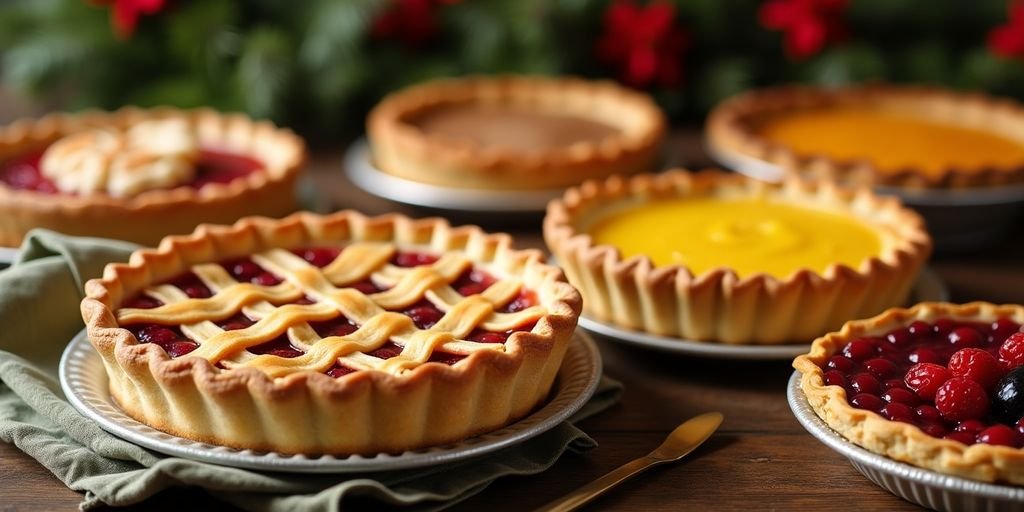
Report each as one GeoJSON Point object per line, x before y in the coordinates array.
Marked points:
{"type": "Point", "coordinates": [329, 288]}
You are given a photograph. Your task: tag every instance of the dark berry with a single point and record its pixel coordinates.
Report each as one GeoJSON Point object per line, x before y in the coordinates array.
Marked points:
{"type": "Point", "coordinates": [245, 270]}
{"type": "Point", "coordinates": [976, 364]}
{"type": "Point", "coordinates": [1008, 397]}
{"type": "Point", "coordinates": [413, 259]}
{"type": "Point", "coordinates": [899, 337]}
{"type": "Point", "coordinates": [899, 395]}
{"type": "Point", "coordinates": [898, 412]}
{"type": "Point", "coordinates": [425, 316]}
{"type": "Point", "coordinates": [841, 363]}
{"type": "Point", "coordinates": [999, 435]}
{"type": "Point", "coordinates": [867, 402]}
{"type": "Point", "coordinates": [1012, 350]}
{"type": "Point", "coordinates": [865, 383]}
{"type": "Point", "coordinates": [180, 348]}
{"type": "Point", "coordinates": [265, 279]}
{"type": "Point", "coordinates": [880, 367]}
{"type": "Point", "coordinates": [972, 426]}
{"type": "Point", "coordinates": [920, 329]}
{"type": "Point", "coordinates": [893, 383]}
{"type": "Point", "coordinates": [963, 337]}
{"type": "Point", "coordinates": [320, 257]}
{"type": "Point", "coordinates": [944, 326]}
{"type": "Point", "coordinates": [143, 302]}
{"type": "Point", "coordinates": [961, 399]}
{"type": "Point", "coordinates": [500, 337]}
{"type": "Point", "coordinates": [927, 413]}
{"type": "Point", "coordinates": [925, 379]}
{"type": "Point", "coordinates": [860, 349]}
{"type": "Point", "coordinates": [924, 355]}
{"type": "Point", "coordinates": [157, 334]}
{"type": "Point", "coordinates": [936, 429]}
{"type": "Point", "coordinates": [337, 371]}
{"type": "Point", "coordinates": [967, 438]}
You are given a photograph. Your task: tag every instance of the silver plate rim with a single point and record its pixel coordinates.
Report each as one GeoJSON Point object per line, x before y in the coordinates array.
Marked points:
{"type": "Point", "coordinates": [365, 175]}
{"type": "Point", "coordinates": [577, 381]}
{"type": "Point", "coordinates": [807, 418]}
{"type": "Point", "coordinates": [764, 171]}
{"type": "Point", "coordinates": [929, 287]}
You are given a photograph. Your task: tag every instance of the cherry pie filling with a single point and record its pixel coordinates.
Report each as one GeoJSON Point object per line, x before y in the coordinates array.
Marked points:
{"type": "Point", "coordinates": [423, 313]}
{"type": "Point", "coordinates": [956, 380]}
{"type": "Point", "coordinates": [214, 166]}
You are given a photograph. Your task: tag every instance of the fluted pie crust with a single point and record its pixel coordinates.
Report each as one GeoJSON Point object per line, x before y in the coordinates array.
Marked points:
{"type": "Point", "coordinates": [731, 130]}
{"type": "Point", "coordinates": [717, 305]}
{"type": "Point", "coordinates": [897, 440]}
{"type": "Point", "coordinates": [149, 215]}
{"type": "Point", "coordinates": [289, 405]}
{"type": "Point", "coordinates": [405, 150]}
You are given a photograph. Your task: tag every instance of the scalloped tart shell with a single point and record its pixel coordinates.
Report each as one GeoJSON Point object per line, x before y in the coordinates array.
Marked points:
{"type": "Point", "coordinates": [902, 441]}
{"type": "Point", "coordinates": [403, 147]}
{"type": "Point", "coordinates": [733, 130]}
{"type": "Point", "coordinates": [717, 305]}
{"type": "Point", "coordinates": [146, 217]}
{"type": "Point", "coordinates": [363, 412]}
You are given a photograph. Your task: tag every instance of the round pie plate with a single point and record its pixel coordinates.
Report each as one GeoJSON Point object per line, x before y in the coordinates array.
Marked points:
{"type": "Point", "coordinates": [958, 220]}
{"type": "Point", "coordinates": [84, 381]}
{"type": "Point", "coordinates": [929, 287]}
{"type": "Point", "coordinates": [7, 256]}
{"type": "Point", "coordinates": [359, 168]}
{"type": "Point", "coordinates": [921, 486]}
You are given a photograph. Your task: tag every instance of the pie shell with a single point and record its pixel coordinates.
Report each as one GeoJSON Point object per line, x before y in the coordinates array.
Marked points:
{"type": "Point", "coordinates": [402, 149]}
{"type": "Point", "coordinates": [717, 305]}
{"type": "Point", "coordinates": [146, 217]}
{"type": "Point", "coordinates": [364, 412]}
{"type": "Point", "coordinates": [731, 129]}
{"type": "Point", "coordinates": [902, 441]}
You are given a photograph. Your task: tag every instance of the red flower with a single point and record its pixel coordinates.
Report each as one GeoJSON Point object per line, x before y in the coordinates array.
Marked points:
{"type": "Point", "coordinates": [809, 24]}
{"type": "Point", "coordinates": [412, 21]}
{"type": "Point", "coordinates": [643, 43]}
{"type": "Point", "coordinates": [125, 14]}
{"type": "Point", "coordinates": [1008, 40]}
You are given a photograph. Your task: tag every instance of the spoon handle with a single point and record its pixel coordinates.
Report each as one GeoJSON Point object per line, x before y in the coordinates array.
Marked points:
{"type": "Point", "coordinates": [588, 492]}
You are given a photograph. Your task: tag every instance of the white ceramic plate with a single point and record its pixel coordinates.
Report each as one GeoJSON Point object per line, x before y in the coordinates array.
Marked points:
{"type": "Point", "coordinates": [921, 486]}
{"type": "Point", "coordinates": [360, 170]}
{"type": "Point", "coordinates": [929, 287]}
{"type": "Point", "coordinates": [84, 381]}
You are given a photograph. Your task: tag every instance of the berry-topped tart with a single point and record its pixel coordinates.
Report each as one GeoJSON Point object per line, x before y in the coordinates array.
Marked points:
{"type": "Point", "coordinates": [139, 174]}
{"type": "Point", "coordinates": [904, 136]}
{"type": "Point", "coordinates": [939, 386]}
{"type": "Point", "coordinates": [337, 334]}
{"type": "Point", "coordinates": [720, 257]}
{"type": "Point", "coordinates": [514, 132]}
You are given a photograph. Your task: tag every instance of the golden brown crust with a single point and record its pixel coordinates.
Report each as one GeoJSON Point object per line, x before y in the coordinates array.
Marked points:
{"type": "Point", "coordinates": [902, 441]}
{"type": "Point", "coordinates": [731, 130]}
{"type": "Point", "coordinates": [402, 149]}
{"type": "Point", "coordinates": [308, 412]}
{"type": "Point", "coordinates": [717, 305]}
{"type": "Point", "coordinates": [146, 217]}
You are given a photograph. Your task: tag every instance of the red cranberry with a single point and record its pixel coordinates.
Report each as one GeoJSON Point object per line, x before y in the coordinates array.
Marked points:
{"type": "Point", "coordinates": [180, 348]}
{"type": "Point", "coordinates": [944, 326]}
{"type": "Point", "coordinates": [920, 329]}
{"type": "Point", "coordinates": [963, 337]}
{"type": "Point", "coordinates": [245, 270]}
{"type": "Point", "coordinates": [157, 334]}
{"type": "Point", "coordinates": [1002, 328]}
{"type": "Point", "coordinates": [860, 349]}
{"type": "Point", "coordinates": [414, 259]}
{"type": "Point", "coordinates": [366, 287]}
{"type": "Point", "coordinates": [976, 364]}
{"type": "Point", "coordinates": [934, 429]}
{"type": "Point", "coordinates": [471, 289]}
{"type": "Point", "coordinates": [865, 383]}
{"type": "Point", "coordinates": [927, 413]}
{"type": "Point", "coordinates": [961, 399]}
{"type": "Point", "coordinates": [841, 363]}
{"type": "Point", "coordinates": [265, 279]}
{"type": "Point", "coordinates": [899, 337]}
{"type": "Point", "coordinates": [898, 412]}
{"type": "Point", "coordinates": [341, 329]}
{"type": "Point", "coordinates": [425, 316]}
{"type": "Point", "coordinates": [925, 379]}
{"type": "Point", "coordinates": [972, 426]}
{"type": "Point", "coordinates": [999, 435]}
{"type": "Point", "coordinates": [880, 367]}
{"type": "Point", "coordinates": [500, 337]}
{"type": "Point", "coordinates": [867, 402]}
{"type": "Point", "coordinates": [902, 396]}
{"type": "Point", "coordinates": [143, 302]}
{"type": "Point", "coordinates": [387, 351]}
{"type": "Point", "coordinates": [924, 355]}
{"type": "Point", "coordinates": [1012, 350]}
{"type": "Point", "coordinates": [319, 256]}
{"type": "Point", "coordinates": [893, 384]}
{"type": "Point", "coordinates": [967, 438]}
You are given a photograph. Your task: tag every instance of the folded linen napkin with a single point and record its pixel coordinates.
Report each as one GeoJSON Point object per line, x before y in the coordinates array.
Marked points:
{"type": "Point", "coordinates": [39, 297]}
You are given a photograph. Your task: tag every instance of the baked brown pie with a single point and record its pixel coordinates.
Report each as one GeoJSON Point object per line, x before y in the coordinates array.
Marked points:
{"type": "Point", "coordinates": [514, 132]}
{"type": "Point", "coordinates": [906, 136]}
{"type": "Point", "coordinates": [340, 334]}
{"type": "Point", "coordinates": [140, 174]}
{"type": "Point", "coordinates": [939, 386]}
{"type": "Point", "coordinates": [720, 257]}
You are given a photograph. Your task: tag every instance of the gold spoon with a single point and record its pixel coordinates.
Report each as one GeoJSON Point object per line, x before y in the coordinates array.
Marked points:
{"type": "Point", "coordinates": [683, 440]}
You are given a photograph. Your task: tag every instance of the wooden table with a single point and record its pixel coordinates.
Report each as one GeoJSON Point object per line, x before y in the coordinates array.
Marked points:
{"type": "Point", "coordinates": [760, 459]}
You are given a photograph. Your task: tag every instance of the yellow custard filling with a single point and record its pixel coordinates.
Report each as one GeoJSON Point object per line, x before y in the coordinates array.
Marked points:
{"type": "Point", "coordinates": [749, 236]}
{"type": "Point", "coordinates": [891, 141]}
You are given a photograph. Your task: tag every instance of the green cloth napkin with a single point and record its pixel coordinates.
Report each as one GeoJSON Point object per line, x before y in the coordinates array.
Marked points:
{"type": "Point", "coordinates": [39, 298]}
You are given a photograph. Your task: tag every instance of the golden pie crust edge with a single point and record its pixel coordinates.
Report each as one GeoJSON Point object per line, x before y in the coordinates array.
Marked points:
{"type": "Point", "coordinates": [146, 217]}
{"type": "Point", "coordinates": [902, 441]}
{"type": "Point", "coordinates": [730, 132]}
{"type": "Point", "coordinates": [403, 150]}
{"type": "Point", "coordinates": [364, 412]}
{"type": "Point", "coordinates": [717, 305]}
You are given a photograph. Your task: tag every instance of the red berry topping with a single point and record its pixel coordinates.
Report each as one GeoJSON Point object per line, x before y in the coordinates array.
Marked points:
{"type": "Point", "coordinates": [180, 348]}
{"type": "Point", "coordinates": [927, 413]}
{"type": "Point", "coordinates": [841, 363]}
{"type": "Point", "coordinates": [244, 270]}
{"type": "Point", "coordinates": [925, 379]}
{"type": "Point", "coordinates": [143, 302]}
{"type": "Point", "coordinates": [425, 315]}
{"type": "Point", "coordinates": [972, 426]}
{"type": "Point", "coordinates": [1000, 435]}
{"type": "Point", "coordinates": [900, 337]}
{"type": "Point", "coordinates": [157, 334]}
{"type": "Point", "coordinates": [923, 355]}
{"type": "Point", "coordinates": [320, 256]}
{"type": "Point", "coordinates": [898, 412]}
{"type": "Point", "coordinates": [963, 337]}
{"type": "Point", "coordinates": [961, 399]}
{"type": "Point", "coordinates": [899, 395]}
{"type": "Point", "coordinates": [865, 383]}
{"type": "Point", "coordinates": [265, 279]}
{"type": "Point", "coordinates": [413, 259]}
{"type": "Point", "coordinates": [880, 367]}
{"type": "Point", "coordinates": [944, 326]}
{"type": "Point", "coordinates": [337, 371]}
{"type": "Point", "coordinates": [976, 364]}
{"type": "Point", "coordinates": [496, 337]}
{"type": "Point", "coordinates": [962, 437]}
{"type": "Point", "coordinates": [1012, 350]}
{"type": "Point", "coordinates": [868, 402]}
{"type": "Point", "coordinates": [860, 349]}
{"type": "Point", "coordinates": [1003, 328]}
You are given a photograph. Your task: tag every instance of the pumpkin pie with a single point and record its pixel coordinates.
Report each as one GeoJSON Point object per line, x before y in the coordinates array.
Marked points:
{"type": "Point", "coordinates": [338, 334]}
{"type": "Point", "coordinates": [718, 257]}
{"type": "Point", "coordinates": [139, 174]}
{"type": "Point", "coordinates": [902, 136]}
{"type": "Point", "coordinates": [939, 386]}
{"type": "Point", "coordinates": [514, 132]}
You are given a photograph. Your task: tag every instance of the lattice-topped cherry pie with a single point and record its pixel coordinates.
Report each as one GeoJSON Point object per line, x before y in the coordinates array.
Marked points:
{"type": "Point", "coordinates": [338, 334]}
